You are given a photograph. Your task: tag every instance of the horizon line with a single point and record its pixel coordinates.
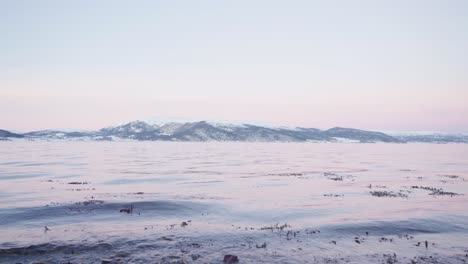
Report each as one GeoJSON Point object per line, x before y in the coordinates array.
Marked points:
{"type": "Point", "coordinates": [152, 121]}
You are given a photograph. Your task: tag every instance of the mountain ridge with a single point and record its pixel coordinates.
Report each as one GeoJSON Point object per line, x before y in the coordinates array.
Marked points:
{"type": "Point", "coordinates": [202, 131]}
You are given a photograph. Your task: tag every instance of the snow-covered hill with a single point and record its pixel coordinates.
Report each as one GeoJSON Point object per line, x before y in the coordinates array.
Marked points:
{"type": "Point", "coordinates": [215, 131]}
{"type": "Point", "coordinates": [431, 137]}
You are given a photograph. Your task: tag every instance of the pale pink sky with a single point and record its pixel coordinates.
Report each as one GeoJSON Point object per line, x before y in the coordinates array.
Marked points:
{"type": "Point", "coordinates": [380, 65]}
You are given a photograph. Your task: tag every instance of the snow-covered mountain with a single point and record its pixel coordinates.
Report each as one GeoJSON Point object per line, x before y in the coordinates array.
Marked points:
{"type": "Point", "coordinates": [210, 131]}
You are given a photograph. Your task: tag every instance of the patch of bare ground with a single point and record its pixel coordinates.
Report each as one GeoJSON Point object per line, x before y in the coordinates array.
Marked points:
{"type": "Point", "coordinates": [388, 194]}
{"type": "Point", "coordinates": [436, 191]}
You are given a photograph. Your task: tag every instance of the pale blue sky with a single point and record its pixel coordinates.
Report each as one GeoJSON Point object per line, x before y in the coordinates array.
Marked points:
{"type": "Point", "coordinates": [383, 65]}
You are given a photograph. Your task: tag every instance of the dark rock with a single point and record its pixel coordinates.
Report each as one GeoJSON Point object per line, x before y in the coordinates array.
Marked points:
{"type": "Point", "coordinates": [127, 210]}
{"type": "Point", "coordinates": [388, 194]}
{"type": "Point", "coordinates": [228, 259]}
{"type": "Point", "coordinates": [78, 183]}
{"type": "Point", "coordinates": [195, 257]}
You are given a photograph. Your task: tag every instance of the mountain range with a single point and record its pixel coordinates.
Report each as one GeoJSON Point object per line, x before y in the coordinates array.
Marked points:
{"type": "Point", "coordinates": [209, 131]}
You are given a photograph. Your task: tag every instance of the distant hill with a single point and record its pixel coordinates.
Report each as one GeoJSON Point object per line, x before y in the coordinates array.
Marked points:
{"type": "Point", "coordinates": [432, 138]}
{"type": "Point", "coordinates": [360, 135]}
{"type": "Point", "coordinates": [206, 131]}
{"type": "Point", "coordinates": [8, 134]}
{"type": "Point", "coordinates": [209, 131]}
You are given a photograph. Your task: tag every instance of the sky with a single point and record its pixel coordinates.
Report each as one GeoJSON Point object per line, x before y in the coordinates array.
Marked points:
{"type": "Point", "coordinates": [394, 65]}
